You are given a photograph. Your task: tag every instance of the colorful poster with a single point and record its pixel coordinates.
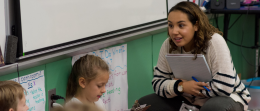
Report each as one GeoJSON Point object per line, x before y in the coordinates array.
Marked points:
{"type": "Point", "coordinates": [35, 90]}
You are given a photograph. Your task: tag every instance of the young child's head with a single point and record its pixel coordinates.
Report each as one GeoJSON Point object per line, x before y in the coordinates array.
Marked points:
{"type": "Point", "coordinates": [88, 77]}
{"type": "Point", "coordinates": [12, 96]}
{"type": "Point", "coordinates": [77, 107]}
{"type": "Point", "coordinates": [189, 27]}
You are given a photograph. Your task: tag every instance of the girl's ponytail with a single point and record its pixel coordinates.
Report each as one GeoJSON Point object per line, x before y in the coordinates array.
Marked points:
{"type": "Point", "coordinates": [72, 84]}
{"type": "Point", "coordinates": [71, 87]}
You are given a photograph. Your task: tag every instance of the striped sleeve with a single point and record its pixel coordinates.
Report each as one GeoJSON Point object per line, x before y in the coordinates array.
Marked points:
{"type": "Point", "coordinates": [225, 81]}
{"type": "Point", "coordinates": [162, 82]}
{"type": "Point", "coordinates": [222, 68]}
{"type": "Point", "coordinates": [242, 92]}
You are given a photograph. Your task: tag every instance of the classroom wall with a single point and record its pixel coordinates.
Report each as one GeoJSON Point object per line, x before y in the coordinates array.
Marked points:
{"type": "Point", "coordinates": [140, 69]}
{"type": "Point", "coordinates": [56, 76]}
{"type": "Point", "coordinates": [235, 35]}
{"type": "Point", "coordinates": [142, 55]}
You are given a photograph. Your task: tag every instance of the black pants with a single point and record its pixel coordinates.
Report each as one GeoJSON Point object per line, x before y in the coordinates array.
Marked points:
{"type": "Point", "coordinates": [173, 104]}
{"type": "Point", "coordinates": [222, 103]}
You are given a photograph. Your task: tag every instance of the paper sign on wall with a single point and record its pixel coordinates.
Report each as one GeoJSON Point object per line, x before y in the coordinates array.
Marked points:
{"type": "Point", "coordinates": [35, 89]}
{"type": "Point", "coordinates": [115, 98]}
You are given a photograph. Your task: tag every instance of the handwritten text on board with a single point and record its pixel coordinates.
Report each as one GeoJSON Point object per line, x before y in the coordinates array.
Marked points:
{"type": "Point", "coordinates": [35, 90]}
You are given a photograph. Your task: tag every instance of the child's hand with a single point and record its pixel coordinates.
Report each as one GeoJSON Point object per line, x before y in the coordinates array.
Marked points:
{"type": "Point", "coordinates": [192, 87]}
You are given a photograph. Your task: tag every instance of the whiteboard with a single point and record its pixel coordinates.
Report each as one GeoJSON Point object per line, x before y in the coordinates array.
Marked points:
{"type": "Point", "coordinates": [116, 96]}
{"type": "Point", "coordinates": [50, 22]}
{"type": "Point", "coordinates": [2, 26]}
{"type": "Point", "coordinates": [172, 3]}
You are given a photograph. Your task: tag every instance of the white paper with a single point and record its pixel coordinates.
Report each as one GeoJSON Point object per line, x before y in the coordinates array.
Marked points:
{"type": "Point", "coordinates": [142, 106]}
{"type": "Point", "coordinates": [35, 89]}
{"type": "Point", "coordinates": [116, 96]}
{"type": "Point", "coordinates": [185, 107]}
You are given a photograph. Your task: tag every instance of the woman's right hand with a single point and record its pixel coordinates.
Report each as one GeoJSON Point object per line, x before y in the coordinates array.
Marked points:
{"type": "Point", "coordinates": [192, 87]}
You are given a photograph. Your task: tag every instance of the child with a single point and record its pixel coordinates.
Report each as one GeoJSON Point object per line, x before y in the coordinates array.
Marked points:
{"type": "Point", "coordinates": [190, 32]}
{"type": "Point", "coordinates": [87, 81]}
{"type": "Point", "coordinates": [12, 97]}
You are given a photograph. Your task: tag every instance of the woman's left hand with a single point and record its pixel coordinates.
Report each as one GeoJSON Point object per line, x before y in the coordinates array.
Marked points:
{"type": "Point", "coordinates": [194, 88]}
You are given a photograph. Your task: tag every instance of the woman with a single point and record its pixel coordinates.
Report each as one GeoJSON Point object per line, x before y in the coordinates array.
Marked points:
{"type": "Point", "coordinates": [190, 32]}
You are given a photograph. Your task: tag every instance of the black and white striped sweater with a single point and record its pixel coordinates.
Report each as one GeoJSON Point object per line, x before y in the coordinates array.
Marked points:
{"type": "Point", "coordinates": [225, 81]}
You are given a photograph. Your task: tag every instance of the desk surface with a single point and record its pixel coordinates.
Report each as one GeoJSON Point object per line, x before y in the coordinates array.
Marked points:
{"type": "Point", "coordinates": [242, 10]}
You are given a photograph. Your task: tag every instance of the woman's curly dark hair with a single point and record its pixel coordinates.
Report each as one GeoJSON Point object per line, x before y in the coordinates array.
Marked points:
{"type": "Point", "coordinates": [205, 29]}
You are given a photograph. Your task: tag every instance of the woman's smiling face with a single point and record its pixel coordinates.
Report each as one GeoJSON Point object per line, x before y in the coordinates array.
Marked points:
{"type": "Point", "coordinates": [181, 30]}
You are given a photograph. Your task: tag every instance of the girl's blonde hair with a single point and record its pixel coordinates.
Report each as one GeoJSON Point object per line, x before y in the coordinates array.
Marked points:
{"type": "Point", "coordinates": [85, 67]}
{"type": "Point", "coordinates": [10, 94]}
{"type": "Point", "coordinates": [205, 29]}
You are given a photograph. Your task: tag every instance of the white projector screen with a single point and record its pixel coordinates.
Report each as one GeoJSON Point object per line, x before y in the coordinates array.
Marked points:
{"type": "Point", "coordinates": [172, 3]}
{"type": "Point", "coordinates": [46, 23]}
